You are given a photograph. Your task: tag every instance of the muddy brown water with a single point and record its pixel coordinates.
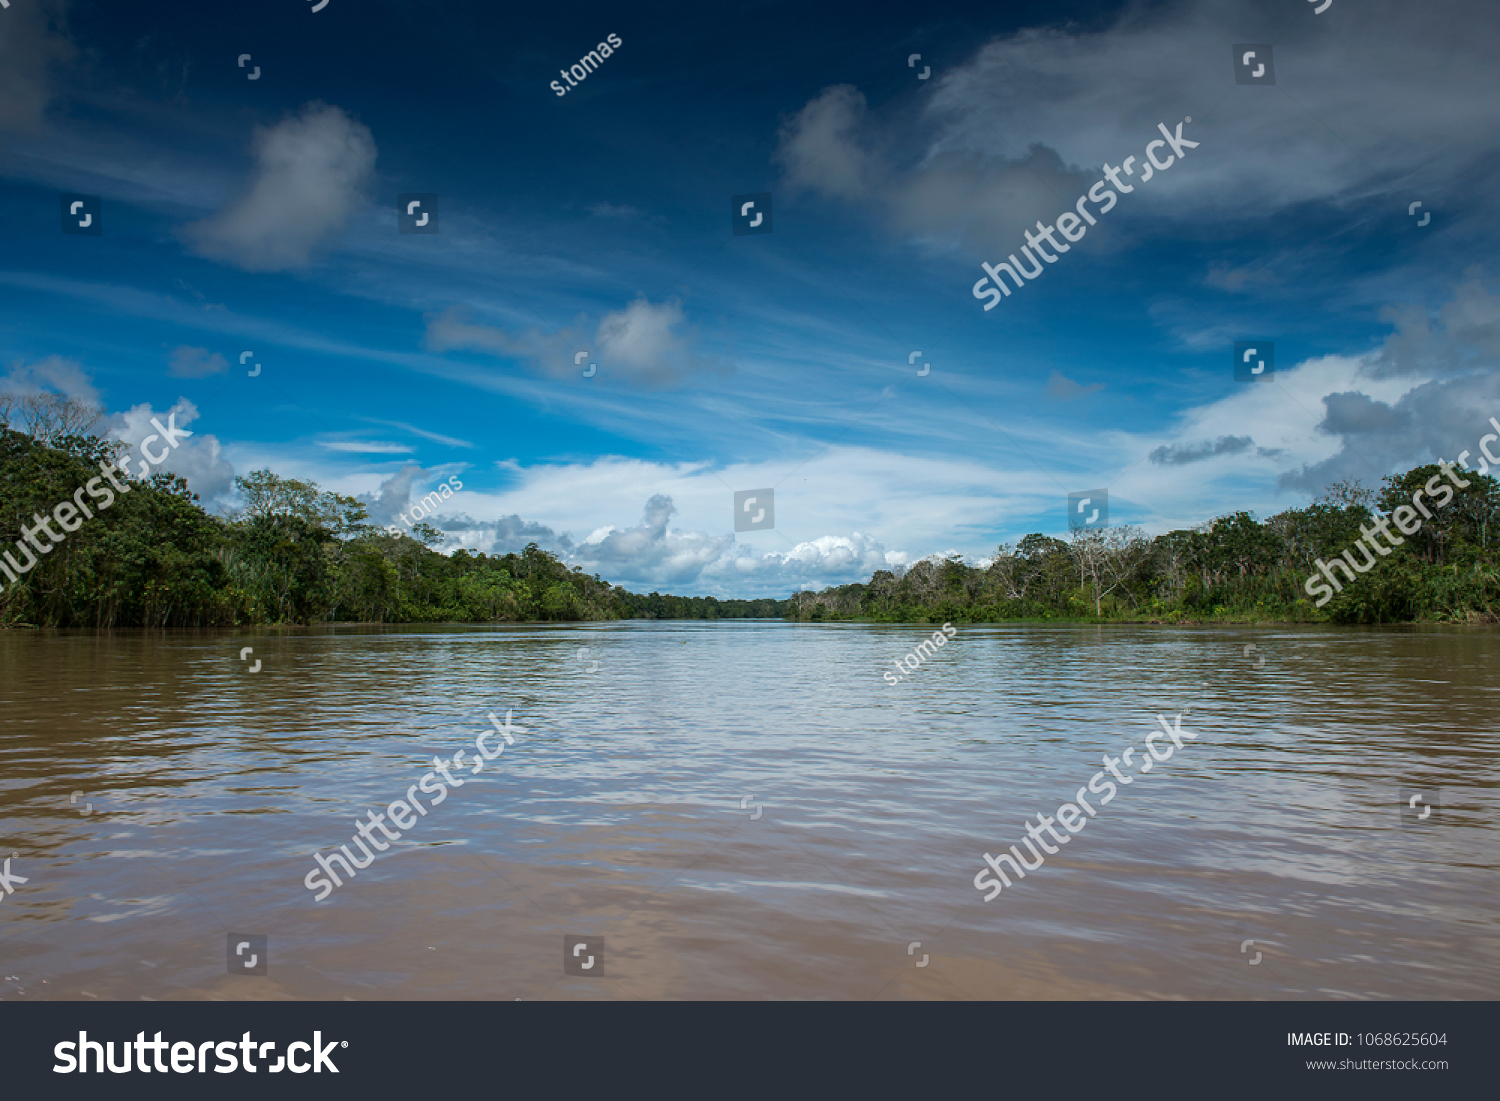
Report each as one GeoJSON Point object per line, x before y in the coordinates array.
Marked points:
{"type": "Point", "coordinates": [751, 810]}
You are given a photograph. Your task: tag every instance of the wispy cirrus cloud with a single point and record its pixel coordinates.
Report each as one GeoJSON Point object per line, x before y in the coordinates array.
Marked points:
{"type": "Point", "coordinates": [367, 447]}
{"type": "Point", "coordinates": [435, 437]}
{"type": "Point", "coordinates": [645, 343]}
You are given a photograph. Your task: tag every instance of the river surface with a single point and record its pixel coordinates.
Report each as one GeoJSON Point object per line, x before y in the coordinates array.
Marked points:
{"type": "Point", "coordinates": [750, 810]}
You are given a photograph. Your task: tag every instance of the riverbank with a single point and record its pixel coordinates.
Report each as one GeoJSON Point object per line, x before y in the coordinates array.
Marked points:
{"type": "Point", "coordinates": [294, 553]}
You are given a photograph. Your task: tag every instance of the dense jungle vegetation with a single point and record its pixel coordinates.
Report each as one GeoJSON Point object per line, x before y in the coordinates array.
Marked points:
{"type": "Point", "coordinates": [292, 554]}
{"type": "Point", "coordinates": [296, 554]}
{"type": "Point", "coordinates": [1231, 568]}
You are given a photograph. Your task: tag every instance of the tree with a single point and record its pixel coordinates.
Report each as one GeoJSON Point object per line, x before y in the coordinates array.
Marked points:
{"type": "Point", "coordinates": [1107, 559]}
{"type": "Point", "coordinates": [48, 418]}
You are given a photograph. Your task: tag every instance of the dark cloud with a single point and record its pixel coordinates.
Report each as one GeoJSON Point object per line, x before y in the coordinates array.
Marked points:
{"type": "Point", "coordinates": [836, 147]}
{"type": "Point", "coordinates": [1020, 128]}
{"type": "Point", "coordinates": [1178, 454]}
{"type": "Point", "coordinates": [1464, 334]}
{"type": "Point", "coordinates": [33, 48]}
{"type": "Point", "coordinates": [1351, 413]}
{"type": "Point", "coordinates": [509, 534]}
{"type": "Point", "coordinates": [1436, 420]}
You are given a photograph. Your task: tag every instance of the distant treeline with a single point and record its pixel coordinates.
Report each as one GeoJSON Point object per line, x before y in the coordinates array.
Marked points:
{"type": "Point", "coordinates": [1234, 567]}
{"type": "Point", "coordinates": [293, 553]}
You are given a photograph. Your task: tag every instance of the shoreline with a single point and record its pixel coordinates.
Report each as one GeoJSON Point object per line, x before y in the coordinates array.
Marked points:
{"type": "Point", "coordinates": [1215, 621]}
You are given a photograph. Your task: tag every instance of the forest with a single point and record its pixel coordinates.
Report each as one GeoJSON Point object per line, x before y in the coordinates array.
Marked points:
{"type": "Point", "coordinates": [1231, 568]}
{"type": "Point", "coordinates": [293, 553]}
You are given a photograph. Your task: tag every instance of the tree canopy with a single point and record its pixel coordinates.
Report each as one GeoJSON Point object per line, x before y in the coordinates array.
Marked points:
{"type": "Point", "coordinates": [295, 553]}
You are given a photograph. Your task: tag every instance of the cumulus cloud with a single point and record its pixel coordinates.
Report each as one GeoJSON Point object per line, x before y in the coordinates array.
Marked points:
{"type": "Point", "coordinates": [814, 564]}
{"type": "Point", "coordinates": [393, 497]}
{"type": "Point", "coordinates": [652, 549]}
{"type": "Point", "coordinates": [1465, 335]}
{"type": "Point", "coordinates": [1451, 363]}
{"type": "Point", "coordinates": [33, 44]}
{"type": "Point", "coordinates": [643, 343]}
{"type": "Point", "coordinates": [654, 555]}
{"type": "Point", "coordinates": [199, 458]}
{"type": "Point", "coordinates": [1438, 419]}
{"type": "Point", "coordinates": [507, 535]}
{"type": "Point", "coordinates": [187, 362]}
{"type": "Point", "coordinates": [834, 146]}
{"type": "Point", "coordinates": [313, 170]}
{"type": "Point", "coordinates": [1177, 454]}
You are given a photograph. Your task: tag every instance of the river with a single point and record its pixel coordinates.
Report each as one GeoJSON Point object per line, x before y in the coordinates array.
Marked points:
{"type": "Point", "coordinates": [751, 810]}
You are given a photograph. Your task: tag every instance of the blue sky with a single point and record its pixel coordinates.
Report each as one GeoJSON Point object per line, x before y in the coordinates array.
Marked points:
{"type": "Point", "coordinates": [260, 215]}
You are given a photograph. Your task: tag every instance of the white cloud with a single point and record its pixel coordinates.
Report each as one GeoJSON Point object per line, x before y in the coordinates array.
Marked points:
{"type": "Point", "coordinates": [836, 518]}
{"type": "Point", "coordinates": [653, 555]}
{"type": "Point", "coordinates": [652, 552]}
{"type": "Point", "coordinates": [1425, 394]}
{"type": "Point", "coordinates": [422, 432]}
{"type": "Point", "coordinates": [367, 447]}
{"type": "Point", "coordinates": [198, 458]}
{"type": "Point", "coordinates": [393, 497]}
{"type": "Point", "coordinates": [312, 172]}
